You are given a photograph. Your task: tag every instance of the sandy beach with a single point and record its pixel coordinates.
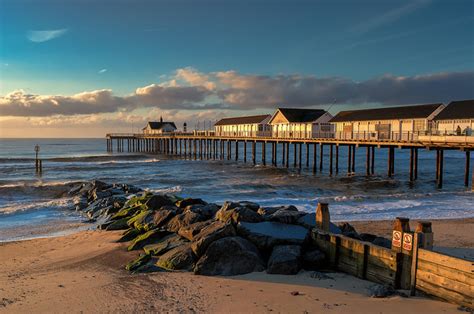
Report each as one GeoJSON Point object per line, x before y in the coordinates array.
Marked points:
{"type": "Point", "coordinates": [84, 272]}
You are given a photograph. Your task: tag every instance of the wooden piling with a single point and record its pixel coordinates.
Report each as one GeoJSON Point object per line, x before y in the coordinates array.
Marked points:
{"type": "Point", "coordinates": [467, 167]}
{"type": "Point", "coordinates": [323, 219]}
{"type": "Point", "coordinates": [337, 158]}
{"type": "Point", "coordinates": [287, 154]}
{"type": "Point", "coordinates": [315, 154]}
{"type": "Point", "coordinates": [353, 159]}
{"type": "Point", "coordinates": [440, 169]}
{"type": "Point", "coordinates": [307, 155]}
{"type": "Point", "coordinates": [321, 156]}
{"type": "Point", "coordinates": [236, 150]}
{"type": "Point", "coordinates": [245, 151]}
{"type": "Point", "coordinates": [299, 155]}
{"type": "Point", "coordinates": [372, 162]}
{"type": "Point", "coordinates": [330, 159]}
{"type": "Point", "coordinates": [295, 148]}
{"type": "Point", "coordinates": [264, 153]}
{"type": "Point", "coordinates": [349, 159]}
{"type": "Point", "coordinates": [254, 143]}
{"type": "Point", "coordinates": [283, 152]}
{"type": "Point", "coordinates": [367, 161]}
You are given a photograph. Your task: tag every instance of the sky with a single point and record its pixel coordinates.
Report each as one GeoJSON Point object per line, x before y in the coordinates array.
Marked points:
{"type": "Point", "coordinates": [83, 68]}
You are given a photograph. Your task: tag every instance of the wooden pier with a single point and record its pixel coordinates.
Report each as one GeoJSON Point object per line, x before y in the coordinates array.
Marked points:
{"type": "Point", "coordinates": [205, 147]}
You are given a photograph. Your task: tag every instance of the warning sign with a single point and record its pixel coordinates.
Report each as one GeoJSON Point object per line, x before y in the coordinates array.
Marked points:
{"type": "Point", "coordinates": [407, 241]}
{"type": "Point", "coordinates": [397, 238]}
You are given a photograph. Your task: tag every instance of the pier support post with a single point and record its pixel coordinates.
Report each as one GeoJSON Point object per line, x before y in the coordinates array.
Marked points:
{"type": "Point", "coordinates": [276, 153]}
{"type": "Point", "coordinates": [412, 164]}
{"type": "Point", "coordinates": [367, 161]}
{"type": "Point", "coordinates": [287, 154]}
{"type": "Point", "coordinates": [315, 154]}
{"type": "Point", "coordinates": [299, 155]}
{"type": "Point", "coordinates": [321, 156]}
{"type": "Point", "coordinates": [245, 151]}
{"type": "Point", "coordinates": [353, 159]}
{"type": "Point", "coordinates": [331, 148]}
{"type": "Point", "coordinates": [264, 153]}
{"type": "Point", "coordinates": [349, 159]}
{"type": "Point", "coordinates": [254, 160]}
{"type": "Point", "coordinates": [283, 157]}
{"type": "Point", "coordinates": [372, 161]}
{"type": "Point", "coordinates": [295, 148]}
{"type": "Point", "coordinates": [440, 169]}
{"type": "Point", "coordinates": [273, 153]}
{"type": "Point", "coordinates": [390, 162]}
{"type": "Point", "coordinates": [337, 158]}
{"type": "Point", "coordinates": [307, 155]}
{"type": "Point", "coordinates": [467, 167]}
{"type": "Point", "coordinates": [237, 150]}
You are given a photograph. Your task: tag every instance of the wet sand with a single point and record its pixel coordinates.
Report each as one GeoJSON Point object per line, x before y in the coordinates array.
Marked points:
{"type": "Point", "coordinates": [84, 272]}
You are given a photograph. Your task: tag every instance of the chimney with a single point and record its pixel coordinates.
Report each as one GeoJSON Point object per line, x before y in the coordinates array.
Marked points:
{"type": "Point", "coordinates": [185, 126]}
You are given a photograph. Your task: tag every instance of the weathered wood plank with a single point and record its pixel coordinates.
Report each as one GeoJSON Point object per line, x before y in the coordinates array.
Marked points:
{"type": "Point", "coordinates": [447, 272]}
{"type": "Point", "coordinates": [437, 280]}
{"type": "Point", "coordinates": [381, 273]}
{"type": "Point", "coordinates": [443, 293]}
{"type": "Point", "coordinates": [446, 260]}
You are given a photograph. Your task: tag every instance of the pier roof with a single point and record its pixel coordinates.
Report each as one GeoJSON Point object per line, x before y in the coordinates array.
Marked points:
{"type": "Point", "coordinates": [300, 115]}
{"type": "Point", "coordinates": [154, 125]}
{"type": "Point", "coordinates": [389, 113]}
{"type": "Point", "coordinates": [243, 120]}
{"type": "Point", "coordinates": [462, 109]}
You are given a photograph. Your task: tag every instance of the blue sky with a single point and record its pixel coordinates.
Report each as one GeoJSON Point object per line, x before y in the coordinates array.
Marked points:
{"type": "Point", "coordinates": [70, 47]}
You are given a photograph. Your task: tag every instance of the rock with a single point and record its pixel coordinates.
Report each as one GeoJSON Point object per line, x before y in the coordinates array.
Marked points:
{"type": "Point", "coordinates": [155, 202]}
{"type": "Point", "coordinates": [142, 221]}
{"type": "Point", "coordinates": [120, 224]}
{"type": "Point", "coordinates": [380, 291]}
{"type": "Point", "coordinates": [96, 194]}
{"type": "Point", "coordinates": [209, 234]}
{"type": "Point", "coordinates": [347, 228]}
{"type": "Point", "coordinates": [367, 237]}
{"type": "Point", "coordinates": [128, 212]}
{"type": "Point", "coordinates": [182, 220]}
{"type": "Point", "coordinates": [285, 260]}
{"type": "Point", "coordinates": [161, 217]}
{"type": "Point", "coordinates": [228, 257]}
{"type": "Point", "coordinates": [190, 201]}
{"type": "Point", "coordinates": [237, 214]}
{"type": "Point", "coordinates": [140, 261]}
{"type": "Point", "coordinates": [309, 221]}
{"type": "Point", "coordinates": [100, 185]}
{"type": "Point", "coordinates": [129, 235]}
{"type": "Point", "coordinates": [149, 237]}
{"type": "Point", "coordinates": [285, 216]}
{"type": "Point", "coordinates": [208, 211]}
{"type": "Point", "coordinates": [251, 205]}
{"type": "Point", "coordinates": [167, 243]}
{"type": "Point", "coordinates": [267, 211]}
{"type": "Point", "coordinates": [189, 232]}
{"type": "Point", "coordinates": [313, 259]}
{"type": "Point", "coordinates": [80, 202]}
{"type": "Point", "coordinates": [267, 234]}
{"type": "Point", "coordinates": [179, 258]}
{"type": "Point", "coordinates": [386, 243]}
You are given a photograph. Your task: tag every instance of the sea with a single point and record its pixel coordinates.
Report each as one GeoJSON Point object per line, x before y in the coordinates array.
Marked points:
{"type": "Point", "coordinates": [34, 205]}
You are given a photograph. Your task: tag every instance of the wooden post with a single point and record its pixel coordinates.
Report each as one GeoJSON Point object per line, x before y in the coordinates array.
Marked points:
{"type": "Point", "coordinates": [349, 159]}
{"type": "Point", "coordinates": [372, 162]}
{"type": "Point", "coordinates": [276, 153]}
{"type": "Point", "coordinates": [389, 165]}
{"type": "Point", "coordinates": [321, 151]}
{"type": "Point", "coordinates": [466, 168]}
{"type": "Point", "coordinates": [330, 158]}
{"type": "Point", "coordinates": [307, 155]}
{"type": "Point", "coordinates": [367, 161]}
{"type": "Point", "coordinates": [440, 168]}
{"type": "Point", "coordinates": [412, 164]}
{"type": "Point", "coordinates": [415, 164]}
{"type": "Point", "coordinates": [427, 239]}
{"type": "Point", "coordinates": [264, 153]}
{"type": "Point", "coordinates": [323, 218]}
{"type": "Point", "coordinates": [337, 158]}
{"type": "Point", "coordinates": [299, 155]}
{"type": "Point", "coordinates": [254, 143]}
{"type": "Point", "coordinates": [283, 152]}
{"type": "Point", "coordinates": [287, 154]}
{"type": "Point", "coordinates": [245, 151]}
{"type": "Point", "coordinates": [353, 158]}
{"type": "Point", "coordinates": [414, 263]}
{"type": "Point", "coordinates": [273, 153]}
{"type": "Point", "coordinates": [295, 149]}
{"type": "Point", "coordinates": [237, 150]}
{"type": "Point", "coordinates": [401, 228]}
{"type": "Point", "coordinates": [315, 154]}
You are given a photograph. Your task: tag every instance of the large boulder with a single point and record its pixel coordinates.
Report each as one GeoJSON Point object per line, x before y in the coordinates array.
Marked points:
{"type": "Point", "coordinates": [251, 205]}
{"type": "Point", "coordinates": [265, 235]}
{"type": "Point", "coordinates": [209, 234]}
{"type": "Point", "coordinates": [309, 221]}
{"type": "Point", "coordinates": [190, 201]}
{"type": "Point", "coordinates": [228, 257]}
{"type": "Point", "coordinates": [237, 214]}
{"type": "Point", "coordinates": [383, 242]}
{"type": "Point", "coordinates": [285, 260]}
{"type": "Point", "coordinates": [208, 211]}
{"type": "Point", "coordinates": [189, 232]}
{"type": "Point", "coordinates": [266, 212]}
{"type": "Point", "coordinates": [142, 221]}
{"type": "Point", "coordinates": [120, 224]}
{"type": "Point", "coordinates": [183, 220]}
{"type": "Point", "coordinates": [129, 235]}
{"type": "Point", "coordinates": [138, 262]}
{"type": "Point", "coordinates": [149, 237]}
{"type": "Point", "coordinates": [155, 202]}
{"type": "Point", "coordinates": [179, 258]}
{"type": "Point", "coordinates": [162, 217]}
{"type": "Point", "coordinates": [165, 244]}
{"type": "Point", "coordinates": [285, 216]}
{"type": "Point", "coordinates": [314, 259]}
{"type": "Point", "coordinates": [128, 211]}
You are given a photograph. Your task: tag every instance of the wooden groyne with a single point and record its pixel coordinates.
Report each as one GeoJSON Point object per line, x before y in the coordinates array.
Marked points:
{"type": "Point", "coordinates": [212, 147]}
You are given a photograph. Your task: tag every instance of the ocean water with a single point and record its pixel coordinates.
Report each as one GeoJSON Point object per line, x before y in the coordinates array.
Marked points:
{"type": "Point", "coordinates": [28, 200]}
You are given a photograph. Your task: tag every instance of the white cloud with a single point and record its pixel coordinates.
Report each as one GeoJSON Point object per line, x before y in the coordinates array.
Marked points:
{"type": "Point", "coordinates": [102, 71]}
{"type": "Point", "coordinates": [45, 35]}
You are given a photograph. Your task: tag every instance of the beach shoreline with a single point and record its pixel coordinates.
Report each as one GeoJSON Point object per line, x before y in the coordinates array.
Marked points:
{"type": "Point", "coordinates": [84, 271]}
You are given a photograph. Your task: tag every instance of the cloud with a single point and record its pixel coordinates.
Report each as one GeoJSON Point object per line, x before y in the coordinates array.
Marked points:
{"type": "Point", "coordinates": [102, 71]}
{"type": "Point", "coordinates": [191, 90]}
{"type": "Point", "coordinates": [389, 17]}
{"type": "Point", "coordinates": [45, 35]}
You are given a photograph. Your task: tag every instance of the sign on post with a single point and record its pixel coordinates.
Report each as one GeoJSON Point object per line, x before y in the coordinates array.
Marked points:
{"type": "Point", "coordinates": [397, 238]}
{"type": "Point", "coordinates": [407, 241]}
